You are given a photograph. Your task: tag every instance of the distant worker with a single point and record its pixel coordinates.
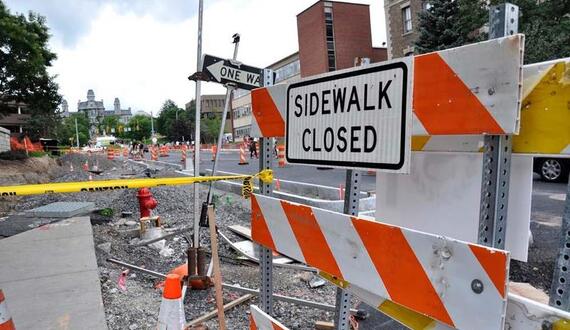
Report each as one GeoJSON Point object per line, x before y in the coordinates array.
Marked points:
{"type": "Point", "coordinates": [252, 148]}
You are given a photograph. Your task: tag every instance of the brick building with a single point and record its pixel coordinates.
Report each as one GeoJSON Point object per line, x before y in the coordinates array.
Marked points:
{"type": "Point", "coordinates": [402, 22]}
{"type": "Point", "coordinates": [332, 34]}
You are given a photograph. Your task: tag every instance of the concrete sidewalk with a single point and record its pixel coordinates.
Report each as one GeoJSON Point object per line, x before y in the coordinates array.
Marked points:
{"type": "Point", "coordinates": [50, 277]}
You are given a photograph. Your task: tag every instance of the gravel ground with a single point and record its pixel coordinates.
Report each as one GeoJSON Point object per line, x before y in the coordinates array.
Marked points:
{"type": "Point", "coordinates": [137, 306]}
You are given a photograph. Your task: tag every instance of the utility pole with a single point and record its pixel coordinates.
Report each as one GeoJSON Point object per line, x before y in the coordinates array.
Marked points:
{"type": "Point", "coordinates": [151, 124]}
{"type": "Point", "coordinates": [76, 133]}
{"type": "Point", "coordinates": [197, 205]}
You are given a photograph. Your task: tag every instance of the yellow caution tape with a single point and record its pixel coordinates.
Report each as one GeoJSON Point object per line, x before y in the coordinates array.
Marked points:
{"type": "Point", "coordinates": [96, 186]}
{"type": "Point", "coordinates": [247, 188]}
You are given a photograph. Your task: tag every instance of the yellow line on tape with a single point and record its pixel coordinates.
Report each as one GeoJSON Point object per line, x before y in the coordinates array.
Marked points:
{"type": "Point", "coordinates": [104, 185]}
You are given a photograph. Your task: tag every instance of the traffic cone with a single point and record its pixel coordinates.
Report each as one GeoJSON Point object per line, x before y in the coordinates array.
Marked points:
{"type": "Point", "coordinates": [277, 184]}
{"type": "Point", "coordinates": [242, 158]}
{"type": "Point", "coordinates": [281, 155]}
{"type": "Point", "coordinates": [214, 151]}
{"type": "Point", "coordinates": [70, 167]}
{"type": "Point", "coordinates": [171, 315]}
{"type": "Point", "coordinates": [90, 177]}
{"type": "Point", "coordinates": [6, 322]}
{"type": "Point", "coordinates": [86, 166]}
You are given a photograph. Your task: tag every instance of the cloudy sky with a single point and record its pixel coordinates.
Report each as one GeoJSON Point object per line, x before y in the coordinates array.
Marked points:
{"type": "Point", "coordinates": [142, 50]}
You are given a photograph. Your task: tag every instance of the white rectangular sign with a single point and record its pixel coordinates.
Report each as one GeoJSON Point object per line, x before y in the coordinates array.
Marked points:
{"type": "Point", "coordinates": [354, 118]}
{"type": "Point", "coordinates": [442, 195]}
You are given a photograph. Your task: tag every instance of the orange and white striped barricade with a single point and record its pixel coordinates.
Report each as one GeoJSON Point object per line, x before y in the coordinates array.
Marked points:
{"type": "Point", "coordinates": [242, 155]}
{"type": "Point", "coordinates": [183, 151]}
{"type": "Point", "coordinates": [110, 154]}
{"type": "Point", "coordinates": [163, 151]}
{"type": "Point", "coordinates": [214, 152]}
{"type": "Point", "coordinates": [6, 322]}
{"type": "Point", "coordinates": [450, 281]}
{"type": "Point", "coordinates": [469, 90]}
{"type": "Point", "coordinates": [153, 153]}
{"type": "Point", "coordinates": [281, 155]}
{"type": "Point", "coordinates": [259, 320]}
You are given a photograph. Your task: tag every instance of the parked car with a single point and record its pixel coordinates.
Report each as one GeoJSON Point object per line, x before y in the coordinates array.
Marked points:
{"type": "Point", "coordinates": [552, 169]}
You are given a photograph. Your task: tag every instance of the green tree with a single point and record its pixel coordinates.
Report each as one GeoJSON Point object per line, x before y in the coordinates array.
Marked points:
{"type": "Point", "coordinates": [439, 27]}
{"type": "Point", "coordinates": [174, 122]}
{"type": "Point", "coordinates": [472, 16]}
{"type": "Point", "coordinates": [109, 125]}
{"type": "Point", "coordinates": [140, 128]}
{"type": "Point", "coordinates": [210, 129]}
{"type": "Point", "coordinates": [66, 131]}
{"type": "Point", "coordinates": [24, 58]}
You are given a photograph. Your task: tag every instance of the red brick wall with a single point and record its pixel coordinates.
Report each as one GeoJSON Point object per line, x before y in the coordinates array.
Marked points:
{"type": "Point", "coordinates": [312, 40]}
{"type": "Point", "coordinates": [353, 38]}
{"type": "Point", "coordinates": [379, 54]}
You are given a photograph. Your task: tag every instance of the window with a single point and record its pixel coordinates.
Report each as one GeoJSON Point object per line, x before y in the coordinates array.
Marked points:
{"type": "Point", "coordinates": [407, 19]}
{"type": "Point", "coordinates": [329, 33]}
{"type": "Point", "coordinates": [287, 71]}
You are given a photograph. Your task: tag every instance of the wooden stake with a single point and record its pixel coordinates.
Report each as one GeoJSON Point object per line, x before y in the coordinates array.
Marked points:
{"type": "Point", "coordinates": [217, 273]}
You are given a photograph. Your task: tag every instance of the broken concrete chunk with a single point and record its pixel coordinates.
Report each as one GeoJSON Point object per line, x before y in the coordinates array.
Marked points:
{"type": "Point", "coordinates": [105, 247]}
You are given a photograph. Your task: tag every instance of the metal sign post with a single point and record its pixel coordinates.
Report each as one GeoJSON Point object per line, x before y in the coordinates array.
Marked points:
{"type": "Point", "coordinates": [229, 89]}
{"type": "Point", "coordinates": [559, 294]}
{"type": "Point", "coordinates": [351, 202]}
{"type": "Point", "coordinates": [503, 20]}
{"type": "Point", "coordinates": [265, 254]}
{"type": "Point", "coordinates": [197, 204]}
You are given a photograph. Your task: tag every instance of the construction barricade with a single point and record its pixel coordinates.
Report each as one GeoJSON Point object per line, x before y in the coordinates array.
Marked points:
{"type": "Point", "coordinates": [423, 267]}
{"type": "Point", "coordinates": [242, 154]}
{"type": "Point", "coordinates": [281, 155]}
{"type": "Point", "coordinates": [154, 153]}
{"type": "Point", "coordinates": [110, 154]}
{"type": "Point", "coordinates": [6, 322]}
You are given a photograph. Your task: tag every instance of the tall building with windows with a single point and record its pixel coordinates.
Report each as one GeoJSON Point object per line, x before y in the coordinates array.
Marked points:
{"type": "Point", "coordinates": [95, 112]}
{"type": "Point", "coordinates": [402, 22]}
{"type": "Point", "coordinates": [332, 36]}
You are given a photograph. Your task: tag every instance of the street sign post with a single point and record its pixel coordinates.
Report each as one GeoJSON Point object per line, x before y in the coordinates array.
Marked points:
{"type": "Point", "coordinates": [354, 118]}
{"type": "Point", "coordinates": [229, 71]}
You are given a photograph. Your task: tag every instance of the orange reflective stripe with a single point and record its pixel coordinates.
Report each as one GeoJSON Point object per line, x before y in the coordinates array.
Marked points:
{"type": "Point", "coordinates": [410, 285]}
{"type": "Point", "coordinates": [311, 240]}
{"type": "Point", "coordinates": [493, 264]}
{"type": "Point", "coordinates": [252, 325]}
{"type": "Point", "coordinates": [269, 119]}
{"type": "Point", "coordinates": [446, 105]}
{"type": "Point", "coordinates": [259, 231]}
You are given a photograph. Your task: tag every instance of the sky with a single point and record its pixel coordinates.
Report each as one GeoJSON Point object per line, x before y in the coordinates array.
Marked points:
{"type": "Point", "coordinates": [142, 51]}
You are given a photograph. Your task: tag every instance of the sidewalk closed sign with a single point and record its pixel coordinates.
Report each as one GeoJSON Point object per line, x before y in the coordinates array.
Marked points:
{"type": "Point", "coordinates": [354, 118]}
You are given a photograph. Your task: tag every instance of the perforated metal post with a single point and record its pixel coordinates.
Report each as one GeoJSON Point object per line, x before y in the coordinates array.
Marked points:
{"type": "Point", "coordinates": [503, 21]}
{"type": "Point", "coordinates": [351, 202]}
{"type": "Point", "coordinates": [266, 255]}
{"type": "Point", "coordinates": [560, 292]}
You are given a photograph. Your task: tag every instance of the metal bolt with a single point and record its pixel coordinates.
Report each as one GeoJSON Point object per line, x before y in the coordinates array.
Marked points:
{"type": "Point", "coordinates": [445, 253]}
{"type": "Point", "coordinates": [477, 286]}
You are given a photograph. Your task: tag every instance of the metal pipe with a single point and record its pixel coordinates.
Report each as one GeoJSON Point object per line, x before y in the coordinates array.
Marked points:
{"type": "Point", "coordinates": [133, 267]}
{"type": "Point", "coordinates": [197, 204]}
{"type": "Point", "coordinates": [156, 239]}
{"type": "Point", "coordinates": [297, 301]}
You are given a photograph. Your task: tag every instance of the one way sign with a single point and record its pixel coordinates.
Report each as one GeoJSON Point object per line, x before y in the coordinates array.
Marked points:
{"type": "Point", "coordinates": [224, 71]}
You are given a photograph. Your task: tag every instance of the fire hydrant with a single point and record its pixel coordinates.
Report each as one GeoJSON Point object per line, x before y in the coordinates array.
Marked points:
{"type": "Point", "coordinates": [146, 202]}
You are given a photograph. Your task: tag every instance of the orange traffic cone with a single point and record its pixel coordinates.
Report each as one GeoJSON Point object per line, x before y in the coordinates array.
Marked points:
{"type": "Point", "coordinates": [86, 166]}
{"type": "Point", "coordinates": [6, 322]}
{"type": "Point", "coordinates": [242, 159]}
{"type": "Point", "coordinates": [214, 151]}
{"type": "Point", "coordinates": [171, 315]}
{"type": "Point", "coordinates": [277, 184]}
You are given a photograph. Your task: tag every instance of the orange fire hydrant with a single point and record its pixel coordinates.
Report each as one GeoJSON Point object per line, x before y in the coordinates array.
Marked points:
{"type": "Point", "coordinates": [146, 202]}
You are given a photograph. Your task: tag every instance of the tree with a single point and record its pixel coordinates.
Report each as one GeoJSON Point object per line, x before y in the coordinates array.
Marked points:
{"type": "Point", "coordinates": [210, 128]}
{"type": "Point", "coordinates": [140, 128]}
{"type": "Point", "coordinates": [175, 123]}
{"type": "Point", "coordinates": [439, 27]}
{"type": "Point", "coordinates": [109, 125]}
{"type": "Point", "coordinates": [66, 131]}
{"type": "Point", "coordinates": [24, 58]}
{"type": "Point", "coordinates": [472, 16]}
